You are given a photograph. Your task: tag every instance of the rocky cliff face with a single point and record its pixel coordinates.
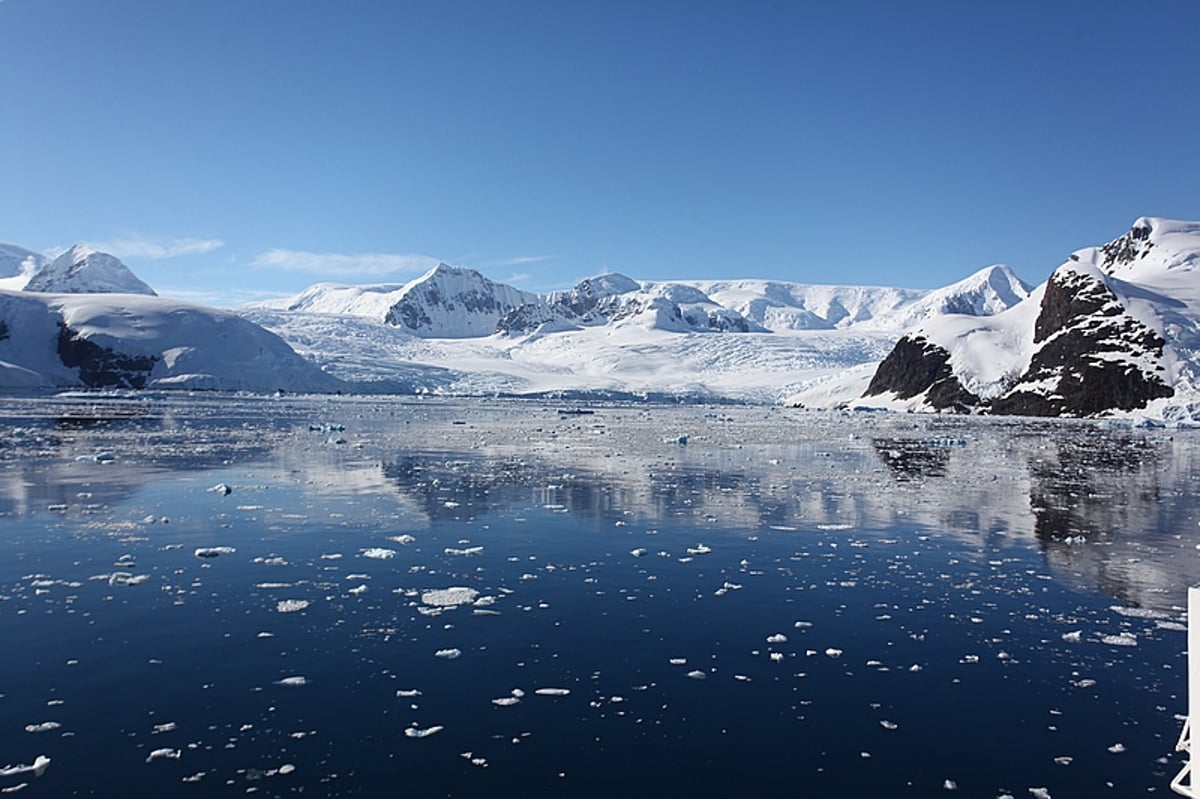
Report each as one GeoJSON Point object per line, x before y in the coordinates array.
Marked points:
{"type": "Point", "coordinates": [917, 365]}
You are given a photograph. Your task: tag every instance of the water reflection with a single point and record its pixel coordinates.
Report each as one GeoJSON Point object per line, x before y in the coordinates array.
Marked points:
{"type": "Point", "coordinates": [1110, 509]}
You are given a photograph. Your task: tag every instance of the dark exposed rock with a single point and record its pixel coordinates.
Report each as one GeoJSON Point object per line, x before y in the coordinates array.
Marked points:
{"type": "Point", "coordinates": [3, 330]}
{"type": "Point", "coordinates": [1089, 351]}
{"type": "Point", "coordinates": [917, 365]}
{"type": "Point", "coordinates": [1128, 248]}
{"type": "Point", "coordinates": [101, 367]}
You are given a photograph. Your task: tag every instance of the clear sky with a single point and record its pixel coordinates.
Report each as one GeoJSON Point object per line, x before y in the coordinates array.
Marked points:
{"type": "Point", "coordinates": [233, 149]}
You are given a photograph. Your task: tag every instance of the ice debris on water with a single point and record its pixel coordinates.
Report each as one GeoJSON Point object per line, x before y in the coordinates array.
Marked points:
{"type": "Point", "coordinates": [379, 553]}
{"type": "Point", "coordinates": [45, 726]}
{"type": "Point", "coordinates": [465, 552]}
{"type": "Point", "coordinates": [295, 681]}
{"type": "Point", "coordinates": [404, 540]}
{"type": "Point", "coordinates": [40, 764]}
{"type": "Point", "coordinates": [222, 489]}
{"type": "Point", "coordinates": [1120, 639]}
{"type": "Point", "coordinates": [1073, 637]}
{"type": "Point", "coordinates": [125, 578]}
{"type": "Point", "coordinates": [639, 552]}
{"type": "Point", "coordinates": [777, 638]}
{"type": "Point", "coordinates": [696, 674]}
{"type": "Point", "coordinates": [408, 693]}
{"type": "Point", "coordinates": [448, 654]}
{"type": "Point", "coordinates": [449, 597]}
{"type": "Point", "coordinates": [1117, 748]}
{"type": "Point", "coordinates": [833, 652]}
{"type": "Point", "coordinates": [950, 785]}
{"type": "Point", "coordinates": [415, 732]}
{"type": "Point", "coordinates": [553, 691]}
{"type": "Point", "coordinates": [165, 752]}
{"type": "Point", "coordinates": [291, 605]}
{"type": "Point", "coordinates": [1039, 793]}
{"type": "Point", "coordinates": [213, 552]}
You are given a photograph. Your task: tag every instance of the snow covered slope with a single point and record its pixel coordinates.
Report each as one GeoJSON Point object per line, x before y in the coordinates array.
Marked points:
{"type": "Point", "coordinates": [139, 341]}
{"type": "Point", "coordinates": [82, 270]}
{"type": "Point", "coordinates": [1116, 329]}
{"type": "Point", "coordinates": [17, 265]}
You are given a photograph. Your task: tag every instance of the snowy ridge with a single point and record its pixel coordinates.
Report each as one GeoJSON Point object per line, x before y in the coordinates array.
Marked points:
{"type": "Point", "coordinates": [1115, 330]}
{"type": "Point", "coordinates": [139, 341]}
{"type": "Point", "coordinates": [18, 265]}
{"type": "Point", "coordinates": [82, 270]}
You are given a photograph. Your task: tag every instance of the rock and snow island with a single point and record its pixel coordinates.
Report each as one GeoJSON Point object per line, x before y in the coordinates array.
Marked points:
{"type": "Point", "coordinates": [1115, 330]}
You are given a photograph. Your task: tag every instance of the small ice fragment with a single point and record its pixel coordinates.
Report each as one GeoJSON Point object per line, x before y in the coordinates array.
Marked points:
{"type": "Point", "coordinates": [125, 578]}
{"type": "Point", "coordinates": [1073, 637]}
{"type": "Point", "coordinates": [358, 590]}
{"type": "Point", "coordinates": [287, 768]}
{"type": "Point", "coordinates": [682, 439]}
{"type": "Point", "coordinates": [448, 654]}
{"type": "Point", "coordinates": [506, 701]}
{"type": "Point", "coordinates": [404, 540]}
{"type": "Point", "coordinates": [970, 659]}
{"type": "Point", "coordinates": [467, 552]}
{"type": "Point", "coordinates": [696, 674]}
{"type": "Point", "coordinates": [699, 549]}
{"type": "Point", "coordinates": [222, 489]}
{"type": "Point", "coordinates": [164, 752]}
{"type": "Point", "coordinates": [1065, 760]}
{"type": "Point", "coordinates": [1117, 748]}
{"type": "Point", "coordinates": [639, 552]}
{"type": "Point", "coordinates": [777, 638]}
{"type": "Point", "coordinates": [293, 682]}
{"type": "Point", "coordinates": [449, 597]}
{"type": "Point", "coordinates": [552, 691]}
{"type": "Point", "coordinates": [40, 763]}
{"type": "Point", "coordinates": [833, 652]}
{"type": "Point", "coordinates": [950, 785]}
{"type": "Point", "coordinates": [408, 693]}
{"type": "Point", "coordinates": [1039, 793]}
{"type": "Point", "coordinates": [291, 605]}
{"type": "Point", "coordinates": [161, 728]}
{"type": "Point", "coordinates": [776, 657]}
{"type": "Point", "coordinates": [212, 552]}
{"type": "Point", "coordinates": [45, 726]}
{"type": "Point", "coordinates": [414, 732]}
{"type": "Point", "coordinates": [379, 553]}
{"type": "Point", "coordinates": [888, 725]}
{"type": "Point", "coordinates": [678, 661]}
{"type": "Point", "coordinates": [1121, 639]}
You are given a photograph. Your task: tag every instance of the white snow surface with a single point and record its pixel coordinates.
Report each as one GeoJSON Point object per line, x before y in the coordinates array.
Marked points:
{"type": "Point", "coordinates": [82, 270]}
{"type": "Point", "coordinates": [18, 265]}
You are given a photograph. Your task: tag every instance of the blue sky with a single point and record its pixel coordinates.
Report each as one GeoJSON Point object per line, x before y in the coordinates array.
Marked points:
{"type": "Point", "coordinates": [232, 149]}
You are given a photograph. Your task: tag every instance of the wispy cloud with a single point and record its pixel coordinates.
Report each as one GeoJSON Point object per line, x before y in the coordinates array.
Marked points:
{"type": "Point", "coordinates": [519, 277]}
{"type": "Point", "coordinates": [527, 259]}
{"type": "Point", "coordinates": [143, 247]}
{"type": "Point", "coordinates": [343, 265]}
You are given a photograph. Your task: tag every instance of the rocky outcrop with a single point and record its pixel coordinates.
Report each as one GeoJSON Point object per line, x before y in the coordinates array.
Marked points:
{"type": "Point", "coordinates": [915, 366]}
{"type": "Point", "coordinates": [101, 367]}
{"type": "Point", "coordinates": [1092, 356]}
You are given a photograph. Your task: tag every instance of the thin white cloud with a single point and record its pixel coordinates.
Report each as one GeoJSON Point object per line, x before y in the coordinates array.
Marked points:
{"type": "Point", "coordinates": [519, 277]}
{"type": "Point", "coordinates": [142, 247]}
{"type": "Point", "coordinates": [343, 265]}
{"type": "Point", "coordinates": [527, 259]}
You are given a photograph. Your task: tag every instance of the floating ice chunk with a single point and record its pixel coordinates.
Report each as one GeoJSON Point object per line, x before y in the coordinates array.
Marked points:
{"type": "Point", "coordinates": [379, 553]}
{"type": "Point", "coordinates": [295, 681]}
{"type": "Point", "coordinates": [45, 726]}
{"type": "Point", "coordinates": [212, 552]}
{"type": "Point", "coordinates": [833, 652]}
{"type": "Point", "coordinates": [222, 489]}
{"type": "Point", "coordinates": [678, 661]}
{"type": "Point", "coordinates": [696, 674]}
{"type": "Point", "coordinates": [415, 732]}
{"type": "Point", "coordinates": [888, 725]}
{"type": "Point", "coordinates": [157, 754]}
{"type": "Point", "coordinates": [1120, 639]}
{"type": "Point", "coordinates": [776, 657]}
{"type": "Point", "coordinates": [1073, 637]}
{"type": "Point", "coordinates": [639, 552]}
{"type": "Point", "coordinates": [699, 549]}
{"type": "Point", "coordinates": [777, 638]}
{"type": "Point", "coordinates": [1117, 748]}
{"type": "Point", "coordinates": [408, 693]}
{"type": "Point", "coordinates": [449, 597]}
{"type": "Point", "coordinates": [467, 552]}
{"type": "Point", "coordinates": [40, 764]}
{"type": "Point", "coordinates": [506, 701]}
{"type": "Point", "coordinates": [802, 624]}
{"type": "Point", "coordinates": [448, 654]}
{"type": "Point", "coordinates": [403, 540]}
{"type": "Point", "coordinates": [291, 605]}
{"type": "Point", "coordinates": [125, 578]}
{"type": "Point", "coordinates": [170, 726]}
{"type": "Point", "coordinates": [1039, 793]}
{"type": "Point", "coordinates": [969, 659]}
{"type": "Point", "coordinates": [950, 785]}
{"type": "Point", "coordinates": [287, 768]}
{"type": "Point", "coordinates": [682, 439]}
{"type": "Point", "coordinates": [358, 590]}
{"type": "Point", "coordinates": [553, 691]}
{"type": "Point", "coordinates": [1064, 760]}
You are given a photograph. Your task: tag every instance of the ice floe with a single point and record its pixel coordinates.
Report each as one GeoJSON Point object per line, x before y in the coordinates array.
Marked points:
{"type": "Point", "coordinates": [291, 605]}
{"type": "Point", "coordinates": [448, 654]}
{"type": "Point", "coordinates": [213, 552]}
{"type": "Point", "coordinates": [379, 553]}
{"type": "Point", "coordinates": [449, 597]}
{"type": "Point", "coordinates": [40, 764]}
{"type": "Point", "coordinates": [416, 732]}
{"type": "Point", "coordinates": [294, 681]}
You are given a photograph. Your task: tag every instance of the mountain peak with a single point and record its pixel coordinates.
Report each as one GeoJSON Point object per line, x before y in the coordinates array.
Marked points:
{"type": "Point", "coordinates": [83, 270]}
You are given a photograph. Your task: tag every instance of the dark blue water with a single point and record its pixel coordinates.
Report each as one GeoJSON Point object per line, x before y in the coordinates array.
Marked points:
{"type": "Point", "coordinates": [822, 606]}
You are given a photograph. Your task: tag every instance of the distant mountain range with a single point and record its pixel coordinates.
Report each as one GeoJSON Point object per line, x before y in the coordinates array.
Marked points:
{"type": "Point", "coordinates": [1114, 330]}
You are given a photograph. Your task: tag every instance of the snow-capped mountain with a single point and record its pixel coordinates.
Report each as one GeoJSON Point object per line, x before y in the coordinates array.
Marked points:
{"type": "Point", "coordinates": [445, 302]}
{"type": "Point", "coordinates": [139, 341]}
{"type": "Point", "coordinates": [1115, 328]}
{"type": "Point", "coordinates": [82, 270]}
